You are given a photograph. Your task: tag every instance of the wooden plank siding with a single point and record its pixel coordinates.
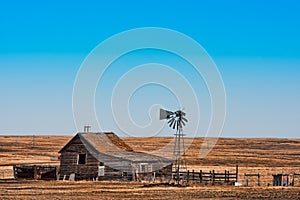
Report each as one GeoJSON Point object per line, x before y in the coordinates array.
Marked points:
{"type": "Point", "coordinates": [69, 159]}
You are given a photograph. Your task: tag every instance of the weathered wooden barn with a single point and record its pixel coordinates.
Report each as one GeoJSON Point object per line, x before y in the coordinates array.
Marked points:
{"type": "Point", "coordinates": [104, 156]}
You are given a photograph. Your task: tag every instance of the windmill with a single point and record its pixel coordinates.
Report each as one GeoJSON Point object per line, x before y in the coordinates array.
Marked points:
{"type": "Point", "coordinates": [177, 120]}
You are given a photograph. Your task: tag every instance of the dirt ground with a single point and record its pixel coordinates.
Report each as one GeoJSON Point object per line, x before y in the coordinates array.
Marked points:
{"type": "Point", "coordinates": [115, 190]}
{"type": "Point", "coordinates": [264, 156]}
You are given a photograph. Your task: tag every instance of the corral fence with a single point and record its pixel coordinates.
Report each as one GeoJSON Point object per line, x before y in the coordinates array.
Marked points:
{"type": "Point", "coordinates": [206, 177]}
{"type": "Point", "coordinates": [200, 176]}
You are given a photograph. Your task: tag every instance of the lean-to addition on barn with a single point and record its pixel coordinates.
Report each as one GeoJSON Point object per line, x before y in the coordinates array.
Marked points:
{"type": "Point", "coordinates": [104, 156]}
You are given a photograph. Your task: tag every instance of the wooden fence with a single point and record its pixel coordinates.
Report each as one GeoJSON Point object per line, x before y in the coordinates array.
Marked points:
{"type": "Point", "coordinates": [207, 177]}
{"type": "Point", "coordinates": [190, 176]}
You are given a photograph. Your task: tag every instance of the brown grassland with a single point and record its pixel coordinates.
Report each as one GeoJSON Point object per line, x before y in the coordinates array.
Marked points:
{"type": "Point", "coordinates": [264, 156]}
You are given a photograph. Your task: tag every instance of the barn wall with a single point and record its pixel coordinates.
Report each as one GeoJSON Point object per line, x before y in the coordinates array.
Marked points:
{"type": "Point", "coordinates": [119, 164]}
{"type": "Point", "coordinates": [68, 162]}
{"type": "Point", "coordinates": [116, 168]}
{"type": "Point", "coordinates": [152, 167]}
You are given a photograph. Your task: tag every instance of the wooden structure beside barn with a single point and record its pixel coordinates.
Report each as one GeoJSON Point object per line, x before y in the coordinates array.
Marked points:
{"type": "Point", "coordinates": [246, 177]}
{"type": "Point", "coordinates": [281, 179]}
{"type": "Point", "coordinates": [37, 172]}
{"type": "Point", "coordinates": [104, 156]}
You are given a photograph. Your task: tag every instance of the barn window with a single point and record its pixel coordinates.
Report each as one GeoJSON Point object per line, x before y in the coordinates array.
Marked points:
{"type": "Point", "coordinates": [101, 170]}
{"type": "Point", "coordinates": [82, 158]}
{"type": "Point", "coordinates": [145, 167]}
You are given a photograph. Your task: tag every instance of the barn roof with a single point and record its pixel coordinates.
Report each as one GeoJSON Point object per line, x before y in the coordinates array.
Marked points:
{"type": "Point", "coordinates": [110, 144]}
{"type": "Point", "coordinates": [105, 142]}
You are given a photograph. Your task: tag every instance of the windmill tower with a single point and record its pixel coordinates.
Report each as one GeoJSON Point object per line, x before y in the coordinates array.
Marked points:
{"type": "Point", "coordinates": [177, 120]}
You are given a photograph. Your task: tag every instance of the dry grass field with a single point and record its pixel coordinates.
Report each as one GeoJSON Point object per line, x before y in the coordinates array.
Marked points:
{"type": "Point", "coordinates": [264, 156]}
{"type": "Point", "coordinates": [115, 190]}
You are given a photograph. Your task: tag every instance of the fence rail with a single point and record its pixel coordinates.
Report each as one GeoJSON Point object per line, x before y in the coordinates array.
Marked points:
{"type": "Point", "coordinates": [207, 177]}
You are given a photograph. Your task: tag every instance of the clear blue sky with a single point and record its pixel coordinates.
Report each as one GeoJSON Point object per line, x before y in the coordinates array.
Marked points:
{"type": "Point", "coordinates": [255, 44]}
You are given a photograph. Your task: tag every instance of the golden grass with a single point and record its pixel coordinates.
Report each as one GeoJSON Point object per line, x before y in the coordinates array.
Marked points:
{"type": "Point", "coordinates": [264, 156]}
{"type": "Point", "coordinates": [114, 190]}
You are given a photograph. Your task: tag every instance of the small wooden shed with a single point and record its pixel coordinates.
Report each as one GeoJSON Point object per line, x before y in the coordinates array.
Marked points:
{"type": "Point", "coordinates": [104, 156]}
{"type": "Point", "coordinates": [281, 179]}
{"type": "Point", "coordinates": [37, 172]}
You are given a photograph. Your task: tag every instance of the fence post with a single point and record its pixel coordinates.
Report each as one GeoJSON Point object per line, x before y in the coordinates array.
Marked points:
{"type": "Point", "coordinates": [245, 180]}
{"type": "Point", "coordinates": [228, 176]}
{"type": "Point", "coordinates": [258, 179]}
{"type": "Point", "coordinates": [188, 176]}
{"type": "Point", "coordinates": [213, 176]}
{"type": "Point", "coordinates": [193, 175]}
{"type": "Point", "coordinates": [236, 173]}
{"type": "Point", "coordinates": [200, 176]}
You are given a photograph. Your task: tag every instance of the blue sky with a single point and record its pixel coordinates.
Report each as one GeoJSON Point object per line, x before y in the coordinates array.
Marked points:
{"type": "Point", "coordinates": [255, 44]}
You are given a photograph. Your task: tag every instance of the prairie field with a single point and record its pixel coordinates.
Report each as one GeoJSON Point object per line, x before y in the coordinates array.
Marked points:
{"type": "Point", "coordinates": [265, 156]}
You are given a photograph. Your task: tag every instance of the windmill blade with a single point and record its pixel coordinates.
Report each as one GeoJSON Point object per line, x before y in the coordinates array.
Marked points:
{"type": "Point", "coordinates": [172, 121]}
{"type": "Point", "coordinates": [184, 119]}
{"type": "Point", "coordinates": [164, 114]}
{"type": "Point", "coordinates": [175, 124]}
{"type": "Point", "coordinates": [182, 122]}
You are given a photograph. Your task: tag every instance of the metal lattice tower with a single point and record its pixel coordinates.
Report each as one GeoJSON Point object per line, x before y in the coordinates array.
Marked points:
{"type": "Point", "coordinates": [179, 152]}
